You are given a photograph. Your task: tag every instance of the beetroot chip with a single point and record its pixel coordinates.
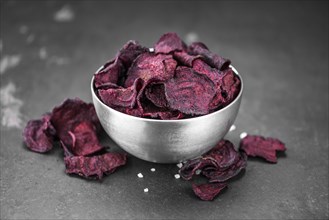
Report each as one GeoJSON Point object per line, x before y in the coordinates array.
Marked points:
{"type": "Point", "coordinates": [84, 139]}
{"type": "Point", "coordinates": [95, 166]}
{"type": "Point", "coordinates": [149, 66]}
{"type": "Point", "coordinates": [156, 94]}
{"type": "Point", "coordinates": [211, 58]}
{"type": "Point", "coordinates": [113, 72]}
{"type": "Point", "coordinates": [120, 97]}
{"type": "Point", "coordinates": [219, 165]}
{"type": "Point", "coordinates": [109, 74]}
{"type": "Point", "coordinates": [130, 51]}
{"type": "Point", "coordinates": [196, 45]}
{"type": "Point", "coordinates": [221, 174]}
{"type": "Point", "coordinates": [203, 68]}
{"type": "Point", "coordinates": [258, 146]}
{"type": "Point", "coordinates": [189, 169]}
{"type": "Point", "coordinates": [208, 191]}
{"type": "Point", "coordinates": [229, 88]}
{"type": "Point", "coordinates": [39, 134]}
{"type": "Point", "coordinates": [67, 117]}
{"type": "Point", "coordinates": [230, 84]}
{"type": "Point", "coordinates": [169, 42]}
{"type": "Point", "coordinates": [189, 92]}
{"type": "Point", "coordinates": [185, 59]}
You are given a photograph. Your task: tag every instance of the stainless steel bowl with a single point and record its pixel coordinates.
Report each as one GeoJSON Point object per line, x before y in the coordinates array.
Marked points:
{"type": "Point", "coordinates": [166, 141]}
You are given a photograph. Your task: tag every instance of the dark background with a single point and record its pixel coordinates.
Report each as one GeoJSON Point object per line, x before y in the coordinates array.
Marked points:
{"type": "Point", "coordinates": [279, 47]}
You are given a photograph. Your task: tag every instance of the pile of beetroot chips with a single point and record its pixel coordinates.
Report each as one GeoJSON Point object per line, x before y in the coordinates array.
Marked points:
{"type": "Point", "coordinates": [171, 81]}
{"type": "Point", "coordinates": [75, 125]}
{"type": "Point", "coordinates": [223, 162]}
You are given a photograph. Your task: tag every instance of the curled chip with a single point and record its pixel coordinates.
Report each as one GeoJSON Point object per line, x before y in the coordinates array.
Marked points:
{"type": "Point", "coordinates": [258, 146]}
{"type": "Point", "coordinates": [39, 134]}
{"type": "Point", "coordinates": [84, 139]}
{"type": "Point", "coordinates": [66, 117]}
{"type": "Point", "coordinates": [182, 81]}
{"type": "Point", "coordinates": [218, 165]}
{"type": "Point", "coordinates": [120, 97]}
{"type": "Point", "coordinates": [156, 94]}
{"type": "Point", "coordinates": [208, 191]}
{"type": "Point", "coordinates": [168, 43]}
{"type": "Point", "coordinates": [211, 58]}
{"type": "Point", "coordinates": [110, 74]}
{"type": "Point", "coordinates": [149, 66]}
{"type": "Point", "coordinates": [114, 70]}
{"type": "Point", "coordinates": [75, 124]}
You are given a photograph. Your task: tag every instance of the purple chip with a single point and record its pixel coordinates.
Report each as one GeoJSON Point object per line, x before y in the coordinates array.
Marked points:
{"type": "Point", "coordinates": [208, 191]}
{"type": "Point", "coordinates": [150, 66]}
{"type": "Point", "coordinates": [39, 134]}
{"type": "Point", "coordinates": [169, 42]}
{"type": "Point", "coordinates": [121, 97]}
{"type": "Point", "coordinates": [211, 58]}
{"type": "Point", "coordinates": [258, 146]}
{"type": "Point", "coordinates": [156, 94]}
{"type": "Point", "coordinates": [219, 165]}
{"type": "Point", "coordinates": [189, 92]}
{"type": "Point", "coordinates": [95, 166]}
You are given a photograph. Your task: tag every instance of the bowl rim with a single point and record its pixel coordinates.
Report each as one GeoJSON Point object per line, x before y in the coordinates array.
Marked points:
{"type": "Point", "coordinates": [169, 120]}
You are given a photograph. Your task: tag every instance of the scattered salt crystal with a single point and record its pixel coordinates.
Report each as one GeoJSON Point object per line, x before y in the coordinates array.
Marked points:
{"type": "Point", "coordinates": [140, 175]}
{"type": "Point", "coordinates": [151, 49]}
{"type": "Point", "coordinates": [179, 165]}
{"type": "Point", "coordinates": [243, 135]}
{"type": "Point", "coordinates": [153, 169]}
{"type": "Point", "coordinates": [232, 128]}
{"type": "Point", "coordinates": [146, 190]}
{"type": "Point", "coordinates": [177, 176]}
{"type": "Point", "coordinates": [197, 172]}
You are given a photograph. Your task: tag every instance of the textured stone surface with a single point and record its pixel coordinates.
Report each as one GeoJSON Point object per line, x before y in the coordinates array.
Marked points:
{"type": "Point", "coordinates": [280, 49]}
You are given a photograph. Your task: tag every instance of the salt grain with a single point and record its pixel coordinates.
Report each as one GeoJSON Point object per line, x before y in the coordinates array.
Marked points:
{"type": "Point", "coordinates": [140, 175]}
{"type": "Point", "coordinates": [177, 176]}
{"type": "Point", "coordinates": [151, 50]}
{"type": "Point", "coordinates": [179, 165]}
{"type": "Point", "coordinates": [232, 128]}
{"type": "Point", "coordinates": [146, 190]}
{"type": "Point", "coordinates": [243, 135]}
{"type": "Point", "coordinates": [153, 169]}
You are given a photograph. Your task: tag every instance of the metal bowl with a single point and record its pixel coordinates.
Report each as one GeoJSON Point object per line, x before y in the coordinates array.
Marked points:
{"type": "Point", "coordinates": [166, 141]}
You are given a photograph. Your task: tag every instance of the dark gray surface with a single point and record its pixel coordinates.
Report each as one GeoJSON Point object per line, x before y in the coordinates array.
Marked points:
{"type": "Point", "coordinates": [280, 49]}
